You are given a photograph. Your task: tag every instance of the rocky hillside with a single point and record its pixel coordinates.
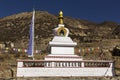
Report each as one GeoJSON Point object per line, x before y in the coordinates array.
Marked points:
{"type": "Point", "coordinates": [15, 28]}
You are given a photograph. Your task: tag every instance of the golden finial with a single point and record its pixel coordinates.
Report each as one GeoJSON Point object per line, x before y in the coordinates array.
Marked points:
{"type": "Point", "coordinates": [60, 17]}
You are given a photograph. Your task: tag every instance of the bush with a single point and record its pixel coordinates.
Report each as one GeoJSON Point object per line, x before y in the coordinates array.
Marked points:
{"type": "Point", "coordinates": [116, 52]}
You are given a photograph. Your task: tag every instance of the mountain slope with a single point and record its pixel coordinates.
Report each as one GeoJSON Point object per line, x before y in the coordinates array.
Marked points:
{"type": "Point", "coordinates": [15, 28]}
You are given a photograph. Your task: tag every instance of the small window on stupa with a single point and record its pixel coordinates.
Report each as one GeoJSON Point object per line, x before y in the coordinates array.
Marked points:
{"type": "Point", "coordinates": [62, 33]}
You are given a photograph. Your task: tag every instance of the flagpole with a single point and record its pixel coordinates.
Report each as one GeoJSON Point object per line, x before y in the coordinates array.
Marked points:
{"type": "Point", "coordinates": [33, 33]}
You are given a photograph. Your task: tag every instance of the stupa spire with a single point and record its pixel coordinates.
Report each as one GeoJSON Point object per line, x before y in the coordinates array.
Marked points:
{"type": "Point", "coordinates": [60, 17]}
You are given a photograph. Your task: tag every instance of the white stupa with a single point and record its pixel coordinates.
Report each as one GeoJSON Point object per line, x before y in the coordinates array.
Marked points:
{"type": "Point", "coordinates": [62, 46]}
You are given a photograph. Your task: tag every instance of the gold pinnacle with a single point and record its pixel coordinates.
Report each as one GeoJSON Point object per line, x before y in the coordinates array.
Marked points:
{"type": "Point", "coordinates": [60, 17]}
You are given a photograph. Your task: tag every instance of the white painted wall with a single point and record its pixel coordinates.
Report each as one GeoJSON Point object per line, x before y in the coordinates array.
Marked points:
{"type": "Point", "coordinates": [63, 72]}
{"type": "Point", "coordinates": [20, 64]}
{"type": "Point", "coordinates": [63, 59]}
{"type": "Point", "coordinates": [62, 50]}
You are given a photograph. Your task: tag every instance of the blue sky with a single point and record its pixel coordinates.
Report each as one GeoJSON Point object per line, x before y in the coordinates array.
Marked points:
{"type": "Point", "coordinates": [92, 10]}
